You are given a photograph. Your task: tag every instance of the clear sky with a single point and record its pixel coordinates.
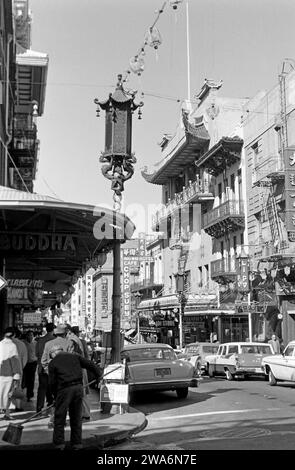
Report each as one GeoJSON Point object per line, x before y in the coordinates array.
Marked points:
{"type": "Point", "coordinates": [89, 42]}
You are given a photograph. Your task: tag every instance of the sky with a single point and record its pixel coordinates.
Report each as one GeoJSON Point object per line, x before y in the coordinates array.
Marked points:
{"type": "Point", "coordinates": [90, 42]}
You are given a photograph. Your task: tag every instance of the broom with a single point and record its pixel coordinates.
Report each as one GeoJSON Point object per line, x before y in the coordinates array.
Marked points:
{"type": "Point", "coordinates": [14, 431]}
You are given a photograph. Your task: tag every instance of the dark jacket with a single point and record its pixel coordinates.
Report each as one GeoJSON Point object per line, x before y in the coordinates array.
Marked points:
{"type": "Point", "coordinates": [65, 370]}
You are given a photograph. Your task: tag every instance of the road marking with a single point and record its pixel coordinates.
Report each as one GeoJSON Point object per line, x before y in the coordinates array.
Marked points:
{"type": "Point", "coordinates": [212, 413]}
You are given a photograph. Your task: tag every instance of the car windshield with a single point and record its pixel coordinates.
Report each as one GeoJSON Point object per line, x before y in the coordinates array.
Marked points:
{"type": "Point", "coordinates": [256, 349]}
{"type": "Point", "coordinates": [149, 354]}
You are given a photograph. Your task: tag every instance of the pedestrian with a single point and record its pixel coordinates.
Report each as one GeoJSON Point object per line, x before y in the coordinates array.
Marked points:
{"type": "Point", "coordinates": [84, 353]}
{"type": "Point", "coordinates": [43, 387]}
{"type": "Point", "coordinates": [23, 357]}
{"type": "Point", "coordinates": [31, 365]}
{"type": "Point", "coordinates": [60, 339]}
{"type": "Point", "coordinates": [66, 378]}
{"type": "Point", "coordinates": [10, 371]}
{"type": "Point", "coordinates": [275, 344]}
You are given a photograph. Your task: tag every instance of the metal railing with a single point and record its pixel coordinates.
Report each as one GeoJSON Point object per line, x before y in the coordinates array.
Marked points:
{"type": "Point", "coordinates": [197, 188]}
{"type": "Point", "coordinates": [226, 209]}
{"type": "Point", "coordinates": [223, 266]}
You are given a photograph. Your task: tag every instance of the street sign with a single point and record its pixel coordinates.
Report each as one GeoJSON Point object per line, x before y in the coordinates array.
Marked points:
{"type": "Point", "coordinates": [3, 282]}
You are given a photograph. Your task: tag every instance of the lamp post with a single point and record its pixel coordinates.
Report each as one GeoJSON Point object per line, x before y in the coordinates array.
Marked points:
{"type": "Point", "coordinates": [137, 296]}
{"type": "Point", "coordinates": [118, 162]}
{"type": "Point", "coordinates": [182, 298]}
{"type": "Point", "coordinates": [243, 283]}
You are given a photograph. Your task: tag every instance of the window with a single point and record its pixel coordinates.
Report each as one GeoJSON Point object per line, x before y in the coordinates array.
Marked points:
{"type": "Point", "coordinates": [233, 349]}
{"type": "Point", "coordinates": [255, 154]}
{"type": "Point", "coordinates": [200, 276]}
{"type": "Point", "coordinates": [235, 244]}
{"type": "Point", "coordinates": [289, 351]}
{"type": "Point", "coordinates": [242, 239]}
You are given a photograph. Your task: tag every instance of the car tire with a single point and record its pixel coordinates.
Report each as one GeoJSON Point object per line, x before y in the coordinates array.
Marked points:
{"type": "Point", "coordinates": [271, 378]}
{"type": "Point", "coordinates": [229, 375]}
{"type": "Point", "coordinates": [210, 371]}
{"type": "Point", "coordinates": [182, 392]}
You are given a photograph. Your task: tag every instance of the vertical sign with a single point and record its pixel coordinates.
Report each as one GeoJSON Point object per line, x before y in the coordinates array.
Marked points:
{"type": "Point", "coordinates": [289, 161]}
{"type": "Point", "coordinates": [104, 297]}
{"type": "Point", "coordinates": [243, 275]}
{"type": "Point", "coordinates": [126, 298]}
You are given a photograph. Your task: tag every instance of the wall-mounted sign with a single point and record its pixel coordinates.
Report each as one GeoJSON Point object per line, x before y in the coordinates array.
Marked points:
{"type": "Point", "coordinates": [32, 318]}
{"type": "Point", "coordinates": [25, 291]}
{"type": "Point", "coordinates": [3, 282]}
{"type": "Point", "coordinates": [289, 163]}
{"type": "Point", "coordinates": [104, 297]}
{"type": "Point", "coordinates": [41, 242]}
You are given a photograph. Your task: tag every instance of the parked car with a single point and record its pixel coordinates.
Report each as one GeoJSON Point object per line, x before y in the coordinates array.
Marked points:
{"type": "Point", "coordinates": [243, 359]}
{"type": "Point", "coordinates": [196, 353]}
{"type": "Point", "coordinates": [281, 367]}
{"type": "Point", "coordinates": [154, 366]}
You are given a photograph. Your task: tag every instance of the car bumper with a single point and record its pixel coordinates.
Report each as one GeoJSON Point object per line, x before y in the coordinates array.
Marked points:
{"type": "Point", "coordinates": [249, 371]}
{"type": "Point", "coordinates": [162, 386]}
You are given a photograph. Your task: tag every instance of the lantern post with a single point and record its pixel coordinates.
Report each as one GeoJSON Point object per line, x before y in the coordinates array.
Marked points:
{"type": "Point", "coordinates": [118, 161]}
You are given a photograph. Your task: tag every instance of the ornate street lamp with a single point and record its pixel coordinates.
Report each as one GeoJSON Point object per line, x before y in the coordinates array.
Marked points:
{"type": "Point", "coordinates": [137, 296]}
{"type": "Point", "coordinates": [118, 162]}
{"type": "Point", "coordinates": [117, 157]}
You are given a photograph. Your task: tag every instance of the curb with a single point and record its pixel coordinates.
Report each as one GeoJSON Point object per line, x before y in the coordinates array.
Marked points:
{"type": "Point", "coordinates": [94, 442]}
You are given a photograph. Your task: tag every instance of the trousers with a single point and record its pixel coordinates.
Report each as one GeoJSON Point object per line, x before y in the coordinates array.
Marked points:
{"type": "Point", "coordinates": [29, 378]}
{"type": "Point", "coordinates": [68, 399]}
{"type": "Point", "coordinates": [44, 390]}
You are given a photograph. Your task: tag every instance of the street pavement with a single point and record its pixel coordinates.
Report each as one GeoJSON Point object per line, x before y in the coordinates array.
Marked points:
{"type": "Point", "coordinates": [101, 431]}
{"type": "Point", "coordinates": [219, 415]}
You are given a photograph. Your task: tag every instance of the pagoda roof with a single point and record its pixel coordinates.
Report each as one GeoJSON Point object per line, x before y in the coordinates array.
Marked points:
{"type": "Point", "coordinates": [182, 150]}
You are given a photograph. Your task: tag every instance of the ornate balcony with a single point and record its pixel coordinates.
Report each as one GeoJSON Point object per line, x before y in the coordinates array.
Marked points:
{"type": "Point", "coordinates": [197, 191]}
{"type": "Point", "coordinates": [224, 269]}
{"type": "Point", "coordinates": [228, 217]}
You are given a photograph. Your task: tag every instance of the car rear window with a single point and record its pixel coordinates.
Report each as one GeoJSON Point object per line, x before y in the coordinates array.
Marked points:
{"type": "Point", "coordinates": [193, 350]}
{"type": "Point", "coordinates": [210, 349]}
{"type": "Point", "coordinates": [256, 349]}
{"type": "Point", "coordinates": [149, 354]}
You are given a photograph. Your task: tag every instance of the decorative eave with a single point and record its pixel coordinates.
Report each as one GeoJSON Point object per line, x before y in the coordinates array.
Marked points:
{"type": "Point", "coordinates": [31, 86]}
{"type": "Point", "coordinates": [225, 153]}
{"type": "Point", "coordinates": [118, 97]}
{"type": "Point", "coordinates": [207, 87]}
{"type": "Point", "coordinates": [181, 150]}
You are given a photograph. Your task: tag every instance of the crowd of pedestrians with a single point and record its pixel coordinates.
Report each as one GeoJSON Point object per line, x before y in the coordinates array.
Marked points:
{"type": "Point", "coordinates": [61, 360]}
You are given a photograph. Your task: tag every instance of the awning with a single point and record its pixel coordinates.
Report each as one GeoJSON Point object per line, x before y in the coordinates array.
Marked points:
{"type": "Point", "coordinates": [49, 239]}
{"type": "Point", "coordinates": [171, 301]}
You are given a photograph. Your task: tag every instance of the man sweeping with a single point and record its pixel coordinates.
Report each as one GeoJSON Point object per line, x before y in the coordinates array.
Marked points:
{"type": "Point", "coordinates": [66, 379]}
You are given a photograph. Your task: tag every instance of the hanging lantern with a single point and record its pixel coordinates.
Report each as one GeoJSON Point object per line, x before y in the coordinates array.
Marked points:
{"type": "Point", "coordinates": [137, 64]}
{"type": "Point", "coordinates": [263, 275]}
{"type": "Point", "coordinates": [153, 38]}
{"type": "Point", "coordinates": [174, 3]}
{"type": "Point", "coordinates": [287, 270]}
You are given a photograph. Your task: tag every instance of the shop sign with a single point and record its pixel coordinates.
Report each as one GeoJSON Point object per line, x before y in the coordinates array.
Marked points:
{"type": "Point", "coordinates": [243, 275]}
{"type": "Point", "coordinates": [126, 298]}
{"type": "Point", "coordinates": [24, 291]}
{"type": "Point", "coordinates": [289, 164]}
{"type": "Point", "coordinates": [41, 242]}
{"type": "Point", "coordinates": [104, 297]}
{"type": "Point", "coordinates": [32, 317]}
{"type": "Point", "coordinates": [162, 323]}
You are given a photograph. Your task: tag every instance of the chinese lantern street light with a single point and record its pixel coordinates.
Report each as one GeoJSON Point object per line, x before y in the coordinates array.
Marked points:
{"type": "Point", "coordinates": [118, 161]}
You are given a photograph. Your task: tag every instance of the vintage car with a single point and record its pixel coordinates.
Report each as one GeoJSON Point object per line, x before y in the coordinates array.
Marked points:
{"type": "Point", "coordinates": [154, 366]}
{"type": "Point", "coordinates": [281, 367]}
{"type": "Point", "coordinates": [238, 359]}
{"type": "Point", "coordinates": [196, 353]}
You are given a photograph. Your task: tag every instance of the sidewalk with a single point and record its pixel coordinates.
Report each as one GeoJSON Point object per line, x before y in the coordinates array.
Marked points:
{"type": "Point", "coordinates": [101, 431]}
